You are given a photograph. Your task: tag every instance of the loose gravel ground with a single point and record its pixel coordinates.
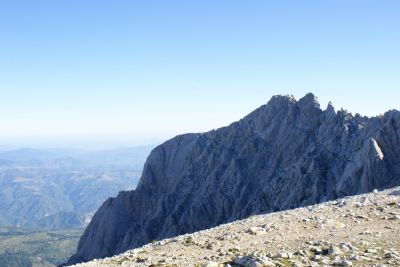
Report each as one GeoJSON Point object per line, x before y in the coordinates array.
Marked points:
{"type": "Point", "coordinates": [362, 230]}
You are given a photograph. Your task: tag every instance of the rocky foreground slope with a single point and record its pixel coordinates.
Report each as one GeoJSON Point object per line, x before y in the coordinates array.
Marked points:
{"type": "Point", "coordinates": [361, 230]}
{"type": "Point", "coordinates": [284, 155]}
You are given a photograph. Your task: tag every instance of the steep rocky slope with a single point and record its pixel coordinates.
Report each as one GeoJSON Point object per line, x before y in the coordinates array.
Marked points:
{"type": "Point", "coordinates": [361, 230]}
{"type": "Point", "coordinates": [285, 154]}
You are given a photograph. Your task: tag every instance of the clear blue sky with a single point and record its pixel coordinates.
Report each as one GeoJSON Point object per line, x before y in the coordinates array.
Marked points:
{"type": "Point", "coordinates": [129, 72]}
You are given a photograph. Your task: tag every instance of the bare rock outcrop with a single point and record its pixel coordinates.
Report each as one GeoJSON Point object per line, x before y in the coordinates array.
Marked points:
{"type": "Point", "coordinates": [285, 154]}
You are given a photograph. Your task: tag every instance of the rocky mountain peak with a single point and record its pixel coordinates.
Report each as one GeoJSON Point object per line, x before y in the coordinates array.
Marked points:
{"type": "Point", "coordinates": [330, 112]}
{"type": "Point", "coordinates": [309, 100]}
{"type": "Point", "coordinates": [280, 100]}
{"type": "Point", "coordinates": [285, 154]}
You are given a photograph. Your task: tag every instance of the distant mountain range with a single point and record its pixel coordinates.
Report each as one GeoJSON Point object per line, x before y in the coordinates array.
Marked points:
{"type": "Point", "coordinates": [54, 189]}
{"type": "Point", "coordinates": [283, 155]}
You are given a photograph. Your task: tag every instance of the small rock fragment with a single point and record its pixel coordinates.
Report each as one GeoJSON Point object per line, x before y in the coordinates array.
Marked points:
{"type": "Point", "coordinates": [210, 264]}
{"type": "Point", "coordinates": [345, 263]}
{"type": "Point", "coordinates": [334, 250]}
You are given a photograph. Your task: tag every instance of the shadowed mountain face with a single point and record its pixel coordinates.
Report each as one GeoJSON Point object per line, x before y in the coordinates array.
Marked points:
{"type": "Point", "coordinates": [283, 155]}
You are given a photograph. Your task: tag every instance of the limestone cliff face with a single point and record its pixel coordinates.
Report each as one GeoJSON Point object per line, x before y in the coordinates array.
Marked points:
{"type": "Point", "coordinates": [285, 154]}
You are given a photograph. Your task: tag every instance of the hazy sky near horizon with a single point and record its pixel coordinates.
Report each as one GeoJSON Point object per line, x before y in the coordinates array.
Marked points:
{"type": "Point", "coordinates": [133, 72]}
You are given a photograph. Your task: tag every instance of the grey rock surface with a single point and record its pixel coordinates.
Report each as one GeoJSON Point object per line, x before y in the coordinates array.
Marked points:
{"type": "Point", "coordinates": [285, 154]}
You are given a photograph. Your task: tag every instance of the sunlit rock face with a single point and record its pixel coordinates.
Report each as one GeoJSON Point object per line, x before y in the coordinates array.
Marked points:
{"type": "Point", "coordinates": [285, 154]}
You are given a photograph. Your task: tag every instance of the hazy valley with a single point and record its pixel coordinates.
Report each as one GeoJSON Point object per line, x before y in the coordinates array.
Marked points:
{"type": "Point", "coordinates": [57, 191]}
{"type": "Point", "coordinates": [22, 247]}
{"type": "Point", "coordinates": [286, 154]}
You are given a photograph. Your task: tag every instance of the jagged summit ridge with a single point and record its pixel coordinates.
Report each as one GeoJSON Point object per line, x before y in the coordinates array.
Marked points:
{"type": "Point", "coordinates": [283, 155]}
